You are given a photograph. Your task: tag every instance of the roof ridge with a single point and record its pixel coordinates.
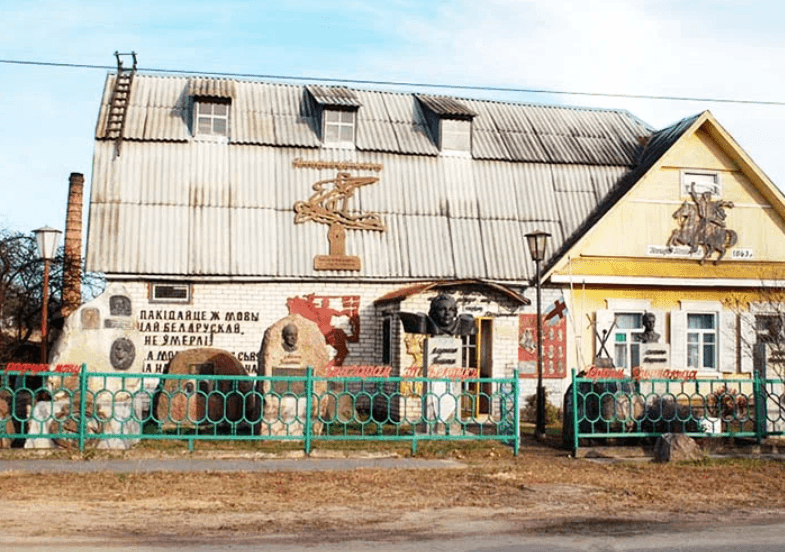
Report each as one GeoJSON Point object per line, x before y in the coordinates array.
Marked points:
{"type": "Point", "coordinates": [317, 82]}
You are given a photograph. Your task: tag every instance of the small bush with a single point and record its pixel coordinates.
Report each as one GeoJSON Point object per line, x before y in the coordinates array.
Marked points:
{"type": "Point", "coordinates": [529, 412]}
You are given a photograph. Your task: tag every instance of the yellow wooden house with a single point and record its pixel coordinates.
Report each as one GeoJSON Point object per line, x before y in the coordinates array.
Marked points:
{"type": "Point", "coordinates": [693, 236]}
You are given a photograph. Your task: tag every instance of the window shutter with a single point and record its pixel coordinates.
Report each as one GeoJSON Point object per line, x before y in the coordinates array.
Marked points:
{"type": "Point", "coordinates": [679, 340]}
{"type": "Point", "coordinates": [747, 341]}
{"type": "Point", "coordinates": [728, 338]}
{"type": "Point", "coordinates": [604, 319]}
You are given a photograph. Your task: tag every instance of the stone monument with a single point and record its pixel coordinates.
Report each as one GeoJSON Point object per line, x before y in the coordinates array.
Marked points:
{"type": "Point", "coordinates": [444, 327]}
{"type": "Point", "coordinates": [197, 402]}
{"type": "Point", "coordinates": [102, 334]}
{"type": "Point", "coordinates": [289, 347]}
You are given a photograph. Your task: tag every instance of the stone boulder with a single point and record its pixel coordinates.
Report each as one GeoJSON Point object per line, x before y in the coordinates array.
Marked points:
{"type": "Point", "coordinates": [284, 401]}
{"type": "Point", "coordinates": [192, 402]}
{"type": "Point", "coordinates": [104, 336]}
{"type": "Point", "coordinates": [676, 447]}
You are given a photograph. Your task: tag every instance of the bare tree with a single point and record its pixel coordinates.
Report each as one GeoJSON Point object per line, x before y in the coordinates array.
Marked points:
{"type": "Point", "coordinates": [762, 326]}
{"type": "Point", "coordinates": [21, 294]}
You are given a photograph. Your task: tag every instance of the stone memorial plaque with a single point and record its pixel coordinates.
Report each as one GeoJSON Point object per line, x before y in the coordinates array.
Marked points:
{"type": "Point", "coordinates": [281, 387]}
{"type": "Point", "coordinates": [90, 319]}
{"type": "Point", "coordinates": [443, 352]}
{"type": "Point", "coordinates": [111, 323]}
{"type": "Point", "coordinates": [119, 305]}
{"type": "Point", "coordinates": [122, 354]}
{"type": "Point", "coordinates": [655, 355]}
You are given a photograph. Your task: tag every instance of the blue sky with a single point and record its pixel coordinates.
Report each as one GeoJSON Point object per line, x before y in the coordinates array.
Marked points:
{"type": "Point", "coordinates": [718, 49]}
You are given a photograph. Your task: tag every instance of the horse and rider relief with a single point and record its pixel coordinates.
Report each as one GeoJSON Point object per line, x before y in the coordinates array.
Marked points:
{"type": "Point", "coordinates": [702, 225]}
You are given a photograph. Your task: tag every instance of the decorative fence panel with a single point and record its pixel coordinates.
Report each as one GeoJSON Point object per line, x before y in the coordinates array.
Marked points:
{"type": "Point", "coordinates": [630, 408]}
{"type": "Point", "coordinates": [46, 409]}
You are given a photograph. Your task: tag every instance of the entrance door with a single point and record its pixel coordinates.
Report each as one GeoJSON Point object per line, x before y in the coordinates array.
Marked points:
{"type": "Point", "coordinates": [478, 353]}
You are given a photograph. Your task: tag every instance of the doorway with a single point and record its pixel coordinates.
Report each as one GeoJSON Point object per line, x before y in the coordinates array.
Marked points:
{"type": "Point", "coordinates": [478, 354]}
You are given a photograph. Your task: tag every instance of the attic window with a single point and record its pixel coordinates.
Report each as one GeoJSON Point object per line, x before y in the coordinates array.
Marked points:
{"type": "Point", "coordinates": [456, 135]}
{"type": "Point", "coordinates": [704, 181]}
{"type": "Point", "coordinates": [339, 127]}
{"type": "Point", "coordinates": [211, 117]}
{"type": "Point", "coordinates": [449, 121]}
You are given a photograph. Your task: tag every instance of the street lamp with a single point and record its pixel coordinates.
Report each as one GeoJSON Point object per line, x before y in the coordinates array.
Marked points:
{"type": "Point", "coordinates": [47, 239]}
{"type": "Point", "coordinates": [538, 241]}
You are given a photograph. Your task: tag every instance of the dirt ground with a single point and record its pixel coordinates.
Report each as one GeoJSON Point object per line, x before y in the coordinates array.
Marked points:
{"type": "Point", "coordinates": [543, 488]}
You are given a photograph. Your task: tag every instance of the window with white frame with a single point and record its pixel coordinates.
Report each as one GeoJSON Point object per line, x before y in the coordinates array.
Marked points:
{"type": "Point", "coordinates": [211, 117]}
{"type": "Point", "coordinates": [339, 127]}
{"type": "Point", "coordinates": [703, 181]}
{"type": "Point", "coordinates": [618, 330]}
{"type": "Point", "coordinates": [702, 340]}
{"type": "Point", "coordinates": [704, 335]}
{"type": "Point", "coordinates": [626, 343]}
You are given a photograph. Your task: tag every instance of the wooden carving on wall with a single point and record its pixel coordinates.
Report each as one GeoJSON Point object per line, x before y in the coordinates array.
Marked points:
{"type": "Point", "coordinates": [329, 205]}
{"type": "Point", "coordinates": [702, 224]}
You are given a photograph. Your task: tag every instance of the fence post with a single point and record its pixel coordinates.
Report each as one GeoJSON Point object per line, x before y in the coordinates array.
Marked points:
{"type": "Point", "coordinates": [82, 406]}
{"type": "Point", "coordinates": [307, 423]}
{"type": "Point", "coordinates": [760, 406]}
{"type": "Point", "coordinates": [574, 415]}
{"type": "Point", "coordinates": [516, 408]}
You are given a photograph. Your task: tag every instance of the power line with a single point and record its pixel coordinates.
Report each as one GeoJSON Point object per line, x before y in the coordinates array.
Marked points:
{"type": "Point", "coordinates": [407, 84]}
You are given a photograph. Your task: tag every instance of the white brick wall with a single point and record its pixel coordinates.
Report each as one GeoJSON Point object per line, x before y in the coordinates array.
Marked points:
{"type": "Point", "coordinates": [259, 305]}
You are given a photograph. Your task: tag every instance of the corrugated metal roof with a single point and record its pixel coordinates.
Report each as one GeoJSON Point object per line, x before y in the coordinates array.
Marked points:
{"type": "Point", "coordinates": [446, 106]}
{"type": "Point", "coordinates": [175, 205]}
{"type": "Point", "coordinates": [334, 96]}
{"type": "Point", "coordinates": [211, 88]}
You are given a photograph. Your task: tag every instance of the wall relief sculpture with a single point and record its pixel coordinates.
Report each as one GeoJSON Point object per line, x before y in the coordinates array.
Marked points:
{"type": "Point", "coordinates": [329, 204]}
{"type": "Point", "coordinates": [702, 225]}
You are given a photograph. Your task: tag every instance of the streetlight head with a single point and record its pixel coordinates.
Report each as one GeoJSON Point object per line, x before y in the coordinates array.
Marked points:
{"type": "Point", "coordinates": [538, 241]}
{"type": "Point", "coordinates": [47, 239]}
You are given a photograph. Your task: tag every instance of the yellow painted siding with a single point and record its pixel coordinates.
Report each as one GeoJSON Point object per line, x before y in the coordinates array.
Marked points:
{"type": "Point", "coordinates": [644, 217]}
{"type": "Point", "coordinates": [585, 302]}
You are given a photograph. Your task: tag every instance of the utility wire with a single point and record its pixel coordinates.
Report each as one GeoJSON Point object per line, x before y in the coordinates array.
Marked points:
{"type": "Point", "coordinates": [407, 84]}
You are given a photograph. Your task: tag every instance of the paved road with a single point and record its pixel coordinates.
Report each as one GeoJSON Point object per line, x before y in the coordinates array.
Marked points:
{"type": "Point", "coordinates": [479, 537]}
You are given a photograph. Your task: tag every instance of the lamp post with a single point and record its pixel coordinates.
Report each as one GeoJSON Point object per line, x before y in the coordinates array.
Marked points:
{"type": "Point", "coordinates": [538, 241]}
{"type": "Point", "coordinates": [47, 239]}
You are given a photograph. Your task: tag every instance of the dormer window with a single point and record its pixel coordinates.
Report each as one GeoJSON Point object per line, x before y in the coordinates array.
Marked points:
{"type": "Point", "coordinates": [450, 123]}
{"type": "Point", "coordinates": [212, 101]}
{"type": "Point", "coordinates": [336, 108]}
{"type": "Point", "coordinates": [339, 127]}
{"type": "Point", "coordinates": [211, 117]}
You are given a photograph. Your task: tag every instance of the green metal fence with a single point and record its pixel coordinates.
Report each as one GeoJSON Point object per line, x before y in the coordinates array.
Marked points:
{"type": "Point", "coordinates": [45, 409]}
{"type": "Point", "coordinates": [597, 409]}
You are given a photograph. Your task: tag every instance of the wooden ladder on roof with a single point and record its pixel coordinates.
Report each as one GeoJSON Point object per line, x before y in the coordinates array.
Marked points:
{"type": "Point", "coordinates": [118, 104]}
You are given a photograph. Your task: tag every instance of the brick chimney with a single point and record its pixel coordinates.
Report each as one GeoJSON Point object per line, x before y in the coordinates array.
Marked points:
{"type": "Point", "coordinates": [72, 261]}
